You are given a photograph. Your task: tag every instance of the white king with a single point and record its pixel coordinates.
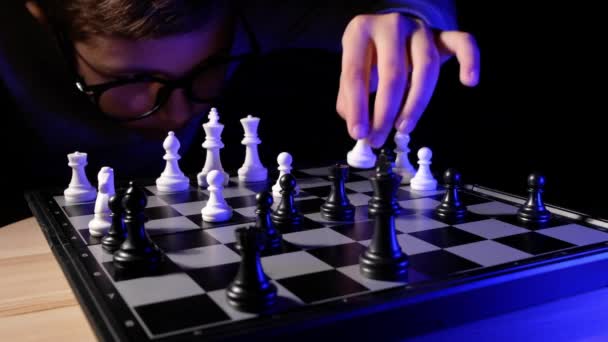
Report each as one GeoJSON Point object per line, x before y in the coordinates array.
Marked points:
{"type": "Point", "coordinates": [172, 179]}
{"type": "Point", "coordinates": [252, 169]}
{"type": "Point", "coordinates": [213, 144]}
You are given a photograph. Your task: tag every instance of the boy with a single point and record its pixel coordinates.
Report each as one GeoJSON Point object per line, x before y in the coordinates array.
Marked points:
{"type": "Point", "coordinates": [143, 68]}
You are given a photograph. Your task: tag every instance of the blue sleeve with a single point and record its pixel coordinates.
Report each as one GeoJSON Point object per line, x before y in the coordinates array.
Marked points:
{"type": "Point", "coordinates": [320, 24]}
{"type": "Point", "coordinates": [438, 14]}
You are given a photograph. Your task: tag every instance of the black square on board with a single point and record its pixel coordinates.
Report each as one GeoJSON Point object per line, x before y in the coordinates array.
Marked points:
{"type": "Point", "coordinates": [358, 231]}
{"type": "Point", "coordinates": [241, 201]}
{"type": "Point", "coordinates": [340, 255]}
{"type": "Point", "coordinates": [80, 209]}
{"type": "Point", "coordinates": [214, 277]}
{"type": "Point", "coordinates": [183, 197]}
{"type": "Point", "coordinates": [164, 268]}
{"type": "Point", "coordinates": [534, 243]}
{"type": "Point", "coordinates": [234, 220]}
{"type": "Point", "coordinates": [446, 237]}
{"type": "Point", "coordinates": [440, 263]}
{"type": "Point", "coordinates": [285, 247]}
{"type": "Point", "coordinates": [323, 191]}
{"type": "Point", "coordinates": [90, 240]}
{"type": "Point", "coordinates": [184, 240]}
{"type": "Point", "coordinates": [322, 285]}
{"type": "Point", "coordinates": [157, 213]}
{"type": "Point", "coordinates": [180, 314]}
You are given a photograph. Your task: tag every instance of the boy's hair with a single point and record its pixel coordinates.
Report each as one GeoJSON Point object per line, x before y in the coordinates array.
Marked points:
{"type": "Point", "coordinates": [131, 19]}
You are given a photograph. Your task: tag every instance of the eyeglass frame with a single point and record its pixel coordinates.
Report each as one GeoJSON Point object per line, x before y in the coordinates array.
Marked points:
{"type": "Point", "coordinates": [95, 91]}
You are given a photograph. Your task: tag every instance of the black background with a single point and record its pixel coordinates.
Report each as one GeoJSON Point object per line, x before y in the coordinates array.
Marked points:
{"type": "Point", "coordinates": [538, 107]}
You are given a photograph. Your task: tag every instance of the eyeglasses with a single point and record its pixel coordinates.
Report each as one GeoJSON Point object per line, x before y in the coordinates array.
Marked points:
{"type": "Point", "coordinates": [137, 97]}
{"type": "Point", "coordinates": [140, 96]}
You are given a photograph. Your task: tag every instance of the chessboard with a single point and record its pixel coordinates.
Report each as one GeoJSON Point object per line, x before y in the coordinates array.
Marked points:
{"type": "Point", "coordinates": [485, 264]}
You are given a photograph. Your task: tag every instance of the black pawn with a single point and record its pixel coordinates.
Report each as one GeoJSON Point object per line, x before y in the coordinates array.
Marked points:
{"type": "Point", "coordinates": [137, 251]}
{"type": "Point", "coordinates": [451, 208]}
{"type": "Point", "coordinates": [337, 207]}
{"type": "Point", "coordinates": [264, 223]}
{"type": "Point", "coordinates": [251, 290]}
{"type": "Point", "coordinates": [534, 211]}
{"type": "Point", "coordinates": [117, 233]}
{"type": "Point", "coordinates": [384, 259]}
{"type": "Point", "coordinates": [286, 215]}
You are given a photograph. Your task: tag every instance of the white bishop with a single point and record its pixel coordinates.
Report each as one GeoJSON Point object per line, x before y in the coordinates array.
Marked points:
{"type": "Point", "coordinates": [172, 179]}
{"type": "Point", "coordinates": [403, 167]}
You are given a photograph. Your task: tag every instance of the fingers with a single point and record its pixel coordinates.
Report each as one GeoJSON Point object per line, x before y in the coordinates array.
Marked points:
{"type": "Point", "coordinates": [464, 46]}
{"type": "Point", "coordinates": [425, 73]}
{"type": "Point", "coordinates": [390, 42]}
{"type": "Point", "coordinates": [352, 103]}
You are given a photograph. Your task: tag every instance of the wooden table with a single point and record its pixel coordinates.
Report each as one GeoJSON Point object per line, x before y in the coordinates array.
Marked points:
{"type": "Point", "coordinates": [37, 303]}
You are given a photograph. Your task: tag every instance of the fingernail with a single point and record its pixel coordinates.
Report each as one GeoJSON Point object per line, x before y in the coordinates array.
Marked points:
{"type": "Point", "coordinates": [360, 131]}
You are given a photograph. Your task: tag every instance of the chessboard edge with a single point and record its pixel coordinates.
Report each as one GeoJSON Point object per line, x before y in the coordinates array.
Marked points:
{"type": "Point", "coordinates": [80, 285]}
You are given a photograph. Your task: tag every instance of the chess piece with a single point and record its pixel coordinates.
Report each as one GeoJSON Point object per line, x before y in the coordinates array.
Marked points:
{"type": "Point", "coordinates": [252, 169]}
{"type": "Point", "coordinates": [251, 290]}
{"type": "Point", "coordinates": [172, 179]}
{"type": "Point", "coordinates": [284, 160]}
{"type": "Point", "coordinates": [423, 180]}
{"type": "Point", "coordinates": [403, 167]}
{"type": "Point", "coordinates": [361, 156]}
{"type": "Point", "coordinates": [384, 163]}
{"type": "Point", "coordinates": [216, 209]}
{"type": "Point", "coordinates": [451, 208]}
{"type": "Point", "coordinates": [384, 259]}
{"type": "Point", "coordinates": [117, 232]}
{"type": "Point", "coordinates": [286, 215]}
{"type": "Point", "coordinates": [264, 223]}
{"type": "Point", "coordinates": [101, 221]}
{"type": "Point", "coordinates": [137, 252]}
{"type": "Point", "coordinates": [337, 207]}
{"type": "Point", "coordinates": [534, 210]}
{"type": "Point", "coordinates": [79, 189]}
{"type": "Point", "coordinates": [213, 143]}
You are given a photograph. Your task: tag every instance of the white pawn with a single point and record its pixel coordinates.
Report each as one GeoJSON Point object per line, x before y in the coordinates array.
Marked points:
{"type": "Point", "coordinates": [213, 144]}
{"type": "Point", "coordinates": [216, 209]}
{"type": "Point", "coordinates": [361, 156]}
{"type": "Point", "coordinates": [403, 167]}
{"type": "Point", "coordinates": [101, 222]}
{"type": "Point", "coordinates": [252, 169]}
{"type": "Point", "coordinates": [284, 160]}
{"type": "Point", "coordinates": [424, 180]}
{"type": "Point", "coordinates": [79, 189]}
{"type": "Point", "coordinates": [172, 179]}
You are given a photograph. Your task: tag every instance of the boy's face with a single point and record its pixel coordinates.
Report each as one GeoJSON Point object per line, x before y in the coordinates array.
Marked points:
{"type": "Point", "coordinates": [102, 59]}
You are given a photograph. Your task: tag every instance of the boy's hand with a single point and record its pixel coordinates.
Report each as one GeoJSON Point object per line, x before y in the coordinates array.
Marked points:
{"type": "Point", "coordinates": [399, 57]}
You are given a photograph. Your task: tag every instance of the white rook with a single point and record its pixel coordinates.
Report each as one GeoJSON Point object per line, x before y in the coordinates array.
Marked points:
{"type": "Point", "coordinates": [252, 169]}
{"type": "Point", "coordinates": [213, 144]}
{"type": "Point", "coordinates": [79, 189]}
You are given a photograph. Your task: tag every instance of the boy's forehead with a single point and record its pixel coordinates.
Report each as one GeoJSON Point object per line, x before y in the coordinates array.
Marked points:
{"type": "Point", "coordinates": [171, 55]}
